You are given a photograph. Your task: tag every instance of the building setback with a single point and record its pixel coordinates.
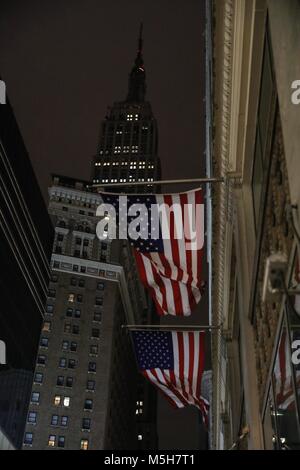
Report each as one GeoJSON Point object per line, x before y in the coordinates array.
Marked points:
{"type": "Point", "coordinates": [26, 236]}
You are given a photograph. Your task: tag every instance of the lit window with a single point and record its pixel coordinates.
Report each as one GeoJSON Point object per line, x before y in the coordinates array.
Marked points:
{"type": "Point", "coordinates": [57, 400]}
{"type": "Point", "coordinates": [51, 440]}
{"type": "Point", "coordinates": [71, 298]}
{"type": "Point", "coordinates": [140, 437]}
{"type": "Point", "coordinates": [84, 444]}
{"type": "Point", "coordinates": [32, 417]}
{"type": "Point", "coordinates": [47, 326]}
{"type": "Point", "coordinates": [67, 401]}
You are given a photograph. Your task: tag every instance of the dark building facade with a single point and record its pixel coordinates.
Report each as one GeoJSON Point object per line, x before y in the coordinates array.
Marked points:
{"type": "Point", "coordinates": [87, 393]}
{"type": "Point", "coordinates": [25, 247]}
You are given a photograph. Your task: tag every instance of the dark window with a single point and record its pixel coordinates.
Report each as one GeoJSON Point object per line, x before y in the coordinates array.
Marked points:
{"type": "Point", "coordinates": [78, 241]}
{"type": "Point", "coordinates": [95, 333]}
{"type": "Point", "coordinates": [81, 283]}
{"type": "Point", "coordinates": [92, 366]}
{"type": "Point", "coordinates": [71, 363]}
{"type": "Point", "coordinates": [97, 317]}
{"type": "Point", "coordinates": [61, 441]}
{"type": "Point", "coordinates": [49, 308]}
{"type": "Point", "coordinates": [90, 385]}
{"type": "Point", "coordinates": [88, 404]}
{"type": "Point", "coordinates": [60, 237]}
{"type": "Point", "coordinates": [99, 301]}
{"type": "Point", "coordinates": [58, 250]}
{"type": "Point", "coordinates": [94, 349]}
{"type": "Point", "coordinates": [35, 397]}
{"type": "Point", "coordinates": [69, 382]}
{"type": "Point", "coordinates": [54, 278]}
{"type": "Point", "coordinates": [100, 285]}
{"type": "Point", "coordinates": [60, 380]}
{"type": "Point", "coordinates": [79, 298]}
{"type": "Point", "coordinates": [77, 313]}
{"type": "Point", "coordinates": [69, 312]}
{"type": "Point", "coordinates": [81, 212]}
{"type": "Point", "coordinates": [52, 293]}
{"type": "Point", "coordinates": [62, 362]}
{"type": "Point", "coordinates": [28, 438]}
{"type": "Point", "coordinates": [64, 421]}
{"type": "Point", "coordinates": [73, 346]}
{"type": "Point", "coordinates": [73, 281]}
{"type": "Point", "coordinates": [38, 378]}
{"type": "Point", "coordinates": [32, 417]}
{"type": "Point", "coordinates": [67, 328]}
{"type": "Point", "coordinates": [41, 359]}
{"type": "Point", "coordinates": [44, 342]}
{"type": "Point", "coordinates": [85, 242]}
{"type": "Point", "coordinates": [75, 329]}
{"type": "Point", "coordinates": [54, 420]}
{"type": "Point", "coordinates": [77, 253]}
{"type": "Point", "coordinates": [86, 424]}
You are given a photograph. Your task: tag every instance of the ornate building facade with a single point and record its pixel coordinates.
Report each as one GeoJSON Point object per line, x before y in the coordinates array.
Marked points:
{"type": "Point", "coordinates": [255, 135]}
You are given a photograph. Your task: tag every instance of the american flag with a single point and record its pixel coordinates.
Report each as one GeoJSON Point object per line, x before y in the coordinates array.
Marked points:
{"type": "Point", "coordinates": [174, 363]}
{"type": "Point", "coordinates": [170, 267]}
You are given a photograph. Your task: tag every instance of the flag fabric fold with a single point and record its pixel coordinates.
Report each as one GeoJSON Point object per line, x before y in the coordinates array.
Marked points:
{"type": "Point", "coordinates": [169, 256]}
{"type": "Point", "coordinates": [174, 363]}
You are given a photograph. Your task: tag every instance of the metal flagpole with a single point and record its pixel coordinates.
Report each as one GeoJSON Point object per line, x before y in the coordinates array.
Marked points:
{"type": "Point", "coordinates": [172, 327]}
{"type": "Point", "coordinates": [152, 183]}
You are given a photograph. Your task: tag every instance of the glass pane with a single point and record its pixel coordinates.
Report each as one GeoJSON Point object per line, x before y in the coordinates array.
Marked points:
{"type": "Point", "coordinates": [257, 178]}
{"type": "Point", "coordinates": [266, 92]}
{"type": "Point", "coordinates": [269, 425]}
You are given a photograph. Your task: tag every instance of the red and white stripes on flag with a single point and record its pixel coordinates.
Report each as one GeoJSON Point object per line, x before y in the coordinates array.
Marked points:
{"type": "Point", "coordinates": [173, 274]}
{"type": "Point", "coordinates": [174, 363]}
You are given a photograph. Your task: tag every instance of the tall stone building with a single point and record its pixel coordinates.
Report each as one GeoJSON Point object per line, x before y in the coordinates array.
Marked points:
{"type": "Point", "coordinates": [87, 392]}
{"type": "Point", "coordinates": [127, 150]}
{"type": "Point", "coordinates": [255, 137]}
{"type": "Point", "coordinates": [26, 236]}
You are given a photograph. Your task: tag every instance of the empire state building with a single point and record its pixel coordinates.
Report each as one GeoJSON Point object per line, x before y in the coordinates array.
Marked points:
{"type": "Point", "coordinates": [127, 150]}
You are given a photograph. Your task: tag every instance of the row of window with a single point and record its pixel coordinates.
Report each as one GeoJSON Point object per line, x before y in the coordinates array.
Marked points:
{"type": "Point", "coordinates": [65, 381]}
{"type": "Point", "coordinates": [65, 401]}
{"type": "Point", "coordinates": [55, 441]}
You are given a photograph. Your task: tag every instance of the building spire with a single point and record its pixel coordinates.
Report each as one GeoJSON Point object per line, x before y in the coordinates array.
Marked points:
{"type": "Point", "coordinates": [137, 76]}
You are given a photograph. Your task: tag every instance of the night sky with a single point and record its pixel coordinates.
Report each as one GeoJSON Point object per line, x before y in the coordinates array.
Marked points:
{"type": "Point", "coordinates": [65, 61]}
